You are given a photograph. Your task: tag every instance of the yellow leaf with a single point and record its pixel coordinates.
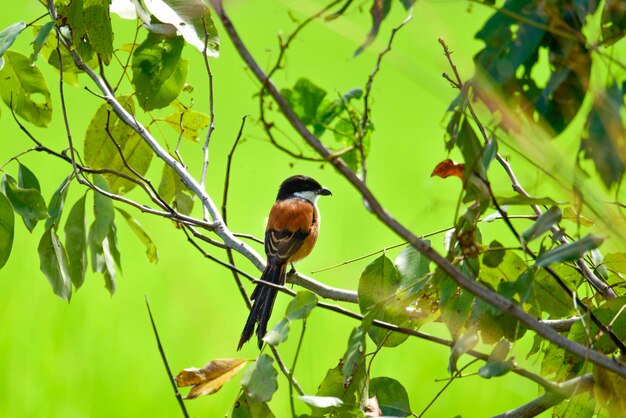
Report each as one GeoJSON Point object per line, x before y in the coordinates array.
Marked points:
{"type": "Point", "coordinates": [210, 378]}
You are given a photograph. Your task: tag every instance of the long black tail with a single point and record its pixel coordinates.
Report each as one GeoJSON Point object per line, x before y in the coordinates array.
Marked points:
{"type": "Point", "coordinates": [263, 297]}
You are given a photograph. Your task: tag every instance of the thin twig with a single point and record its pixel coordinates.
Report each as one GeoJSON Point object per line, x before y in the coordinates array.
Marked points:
{"type": "Point", "coordinates": [448, 383]}
{"type": "Point", "coordinates": [130, 55]}
{"type": "Point", "coordinates": [207, 140]}
{"type": "Point", "coordinates": [293, 366]}
{"type": "Point", "coordinates": [368, 90]}
{"type": "Point", "coordinates": [229, 251]}
{"type": "Point", "coordinates": [170, 376]}
{"type": "Point", "coordinates": [288, 374]}
{"type": "Point", "coordinates": [284, 45]}
{"type": "Point", "coordinates": [546, 401]}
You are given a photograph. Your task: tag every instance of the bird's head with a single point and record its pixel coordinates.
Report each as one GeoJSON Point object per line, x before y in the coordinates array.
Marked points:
{"type": "Point", "coordinates": [303, 187]}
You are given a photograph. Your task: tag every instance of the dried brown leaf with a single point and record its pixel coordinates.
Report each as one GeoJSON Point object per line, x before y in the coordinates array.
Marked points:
{"type": "Point", "coordinates": [210, 378]}
{"type": "Point", "coordinates": [448, 168]}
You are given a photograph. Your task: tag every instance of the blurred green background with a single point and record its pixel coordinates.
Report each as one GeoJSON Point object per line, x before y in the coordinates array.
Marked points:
{"type": "Point", "coordinates": [97, 356]}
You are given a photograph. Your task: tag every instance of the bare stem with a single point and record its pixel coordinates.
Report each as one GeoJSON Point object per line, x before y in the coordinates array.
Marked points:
{"type": "Point", "coordinates": [170, 376]}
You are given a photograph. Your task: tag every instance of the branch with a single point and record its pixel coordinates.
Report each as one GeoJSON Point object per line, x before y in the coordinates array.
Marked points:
{"type": "Point", "coordinates": [377, 323]}
{"type": "Point", "coordinates": [374, 205]}
{"type": "Point", "coordinates": [218, 226]}
{"type": "Point", "coordinates": [546, 401]}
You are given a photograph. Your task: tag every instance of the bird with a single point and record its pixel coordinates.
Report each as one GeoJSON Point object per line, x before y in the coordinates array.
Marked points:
{"type": "Point", "coordinates": [290, 235]}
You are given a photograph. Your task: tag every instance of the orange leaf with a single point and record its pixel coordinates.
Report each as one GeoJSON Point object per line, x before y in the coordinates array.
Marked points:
{"type": "Point", "coordinates": [210, 378]}
{"type": "Point", "coordinates": [448, 168]}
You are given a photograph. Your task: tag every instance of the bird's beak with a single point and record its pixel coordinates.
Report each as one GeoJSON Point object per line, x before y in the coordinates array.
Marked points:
{"type": "Point", "coordinates": [324, 192]}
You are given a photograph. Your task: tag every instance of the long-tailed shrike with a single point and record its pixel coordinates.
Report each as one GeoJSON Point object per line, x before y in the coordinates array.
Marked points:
{"type": "Point", "coordinates": [291, 232]}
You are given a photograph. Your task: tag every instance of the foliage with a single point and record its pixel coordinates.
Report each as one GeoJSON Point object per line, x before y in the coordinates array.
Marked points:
{"type": "Point", "coordinates": [490, 294]}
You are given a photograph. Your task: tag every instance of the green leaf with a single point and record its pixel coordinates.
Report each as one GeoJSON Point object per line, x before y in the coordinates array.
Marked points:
{"type": "Point", "coordinates": [135, 226]}
{"type": "Point", "coordinates": [57, 201]}
{"type": "Point", "coordinates": [571, 215]}
{"type": "Point", "coordinates": [613, 22]}
{"type": "Point", "coordinates": [192, 19]}
{"type": "Point", "coordinates": [578, 406]}
{"type": "Point", "coordinates": [560, 364]}
{"type": "Point", "coordinates": [615, 262]}
{"type": "Point", "coordinates": [353, 392]}
{"type": "Point", "coordinates": [7, 226]}
{"type": "Point", "coordinates": [112, 241]}
{"type": "Point", "coordinates": [505, 49]}
{"type": "Point", "coordinates": [604, 136]}
{"type": "Point", "coordinates": [246, 407]}
{"type": "Point", "coordinates": [610, 312]}
{"type": "Point", "coordinates": [301, 306]}
{"type": "Point", "coordinates": [102, 237]}
{"type": "Point", "coordinates": [353, 356]}
{"type": "Point", "coordinates": [379, 11]}
{"type": "Point", "coordinates": [26, 179]}
{"type": "Point", "coordinates": [521, 286]}
{"type": "Point", "coordinates": [53, 263]}
{"type": "Point", "coordinates": [98, 28]}
{"type": "Point", "coordinates": [188, 123]}
{"type": "Point", "coordinates": [495, 255]}
{"type": "Point", "coordinates": [174, 191]}
{"type": "Point", "coordinates": [90, 24]}
{"type": "Point", "coordinates": [455, 305]}
{"type": "Point", "coordinates": [40, 40]}
{"type": "Point", "coordinates": [104, 255]}
{"type": "Point", "coordinates": [96, 251]}
{"type": "Point", "coordinates": [328, 110]}
{"type": "Point", "coordinates": [378, 296]}
{"type": "Point", "coordinates": [549, 295]}
{"type": "Point", "coordinates": [101, 151]}
{"type": "Point", "coordinates": [544, 222]}
{"type": "Point", "coordinates": [413, 268]}
{"type": "Point", "coordinates": [304, 99]}
{"type": "Point", "coordinates": [259, 380]}
{"type": "Point", "coordinates": [495, 326]}
{"type": "Point", "coordinates": [159, 72]}
{"type": "Point", "coordinates": [489, 153]}
{"type": "Point", "coordinates": [525, 200]}
{"type": "Point", "coordinates": [8, 36]}
{"type": "Point", "coordinates": [392, 397]}
{"type": "Point", "coordinates": [28, 203]}
{"type": "Point", "coordinates": [73, 14]}
{"type": "Point", "coordinates": [103, 211]}
{"type": "Point", "coordinates": [102, 260]}
{"type": "Point", "coordinates": [278, 333]}
{"type": "Point", "coordinates": [76, 242]}
{"type": "Point", "coordinates": [569, 252]}
{"type": "Point", "coordinates": [462, 346]}
{"type": "Point", "coordinates": [348, 134]}
{"type": "Point", "coordinates": [24, 88]}
{"type": "Point", "coordinates": [472, 150]}
{"type": "Point", "coordinates": [496, 364]}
